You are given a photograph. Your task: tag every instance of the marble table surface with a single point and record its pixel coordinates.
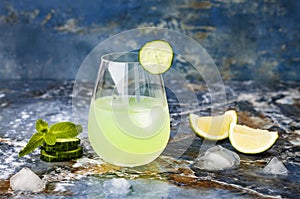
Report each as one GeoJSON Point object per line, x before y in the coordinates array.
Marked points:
{"type": "Point", "coordinates": [273, 106]}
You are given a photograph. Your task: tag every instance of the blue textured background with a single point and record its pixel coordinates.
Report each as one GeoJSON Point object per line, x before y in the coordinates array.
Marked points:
{"type": "Point", "coordinates": [248, 39]}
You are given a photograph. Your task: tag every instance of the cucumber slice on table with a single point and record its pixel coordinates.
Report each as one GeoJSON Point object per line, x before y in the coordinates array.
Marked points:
{"type": "Point", "coordinates": [61, 156]}
{"type": "Point", "coordinates": [62, 144]}
{"type": "Point", "coordinates": [50, 158]}
{"type": "Point", "coordinates": [67, 154]}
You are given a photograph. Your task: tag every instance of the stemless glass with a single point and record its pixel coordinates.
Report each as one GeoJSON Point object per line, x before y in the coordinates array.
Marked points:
{"type": "Point", "coordinates": [129, 122]}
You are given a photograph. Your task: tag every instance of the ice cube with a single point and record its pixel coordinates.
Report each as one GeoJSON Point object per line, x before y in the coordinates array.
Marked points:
{"type": "Point", "coordinates": [275, 167]}
{"type": "Point", "coordinates": [26, 180]}
{"type": "Point", "coordinates": [217, 158]}
{"type": "Point", "coordinates": [116, 187]}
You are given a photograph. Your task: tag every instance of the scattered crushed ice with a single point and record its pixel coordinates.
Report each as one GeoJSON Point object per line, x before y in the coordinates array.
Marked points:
{"type": "Point", "coordinates": [275, 167]}
{"type": "Point", "coordinates": [26, 180]}
{"type": "Point", "coordinates": [217, 158]}
{"type": "Point", "coordinates": [116, 187]}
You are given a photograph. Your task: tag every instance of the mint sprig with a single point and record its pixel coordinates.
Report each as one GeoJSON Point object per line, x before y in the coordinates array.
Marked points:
{"type": "Point", "coordinates": [65, 129]}
{"type": "Point", "coordinates": [49, 135]}
{"type": "Point", "coordinates": [35, 141]}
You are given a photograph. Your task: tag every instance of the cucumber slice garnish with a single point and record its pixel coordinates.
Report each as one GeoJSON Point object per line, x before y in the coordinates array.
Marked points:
{"type": "Point", "coordinates": [50, 158]}
{"type": "Point", "coordinates": [61, 156]}
{"type": "Point", "coordinates": [156, 56]}
{"type": "Point", "coordinates": [62, 144]}
{"type": "Point", "coordinates": [71, 153]}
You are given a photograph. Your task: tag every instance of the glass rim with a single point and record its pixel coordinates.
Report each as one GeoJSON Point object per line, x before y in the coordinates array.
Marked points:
{"type": "Point", "coordinates": [113, 56]}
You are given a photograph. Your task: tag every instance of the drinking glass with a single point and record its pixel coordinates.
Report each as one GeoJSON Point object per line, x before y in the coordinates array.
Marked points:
{"type": "Point", "coordinates": [129, 122]}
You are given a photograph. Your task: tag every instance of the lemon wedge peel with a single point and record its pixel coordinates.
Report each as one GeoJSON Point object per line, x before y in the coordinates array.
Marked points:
{"type": "Point", "coordinates": [243, 138]}
{"type": "Point", "coordinates": [252, 141]}
{"type": "Point", "coordinates": [213, 127]}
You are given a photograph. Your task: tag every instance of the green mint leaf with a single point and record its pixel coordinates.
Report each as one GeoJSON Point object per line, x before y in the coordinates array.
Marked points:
{"type": "Point", "coordinates": [50, 138]}
{"type": "Point", "coordinates": [35, 141]}
{"type": "Point", "coordinates": [65, 129]}
{"type": "Point", "coordinates": [79, 128]}
{"type": "Point", "coordinates": [41, 126]}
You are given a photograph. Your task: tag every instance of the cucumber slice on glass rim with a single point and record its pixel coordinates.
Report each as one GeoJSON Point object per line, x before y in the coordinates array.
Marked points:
{"type": "Point", "coordinates": [156, 56]}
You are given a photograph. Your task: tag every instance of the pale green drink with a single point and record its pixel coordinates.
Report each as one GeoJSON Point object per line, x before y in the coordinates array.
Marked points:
{"type": "Point", "coordinates": [129, 131]}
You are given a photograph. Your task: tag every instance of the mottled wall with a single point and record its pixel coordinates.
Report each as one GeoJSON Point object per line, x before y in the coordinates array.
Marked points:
{"type": "Point", "coordinates": [248, 39]}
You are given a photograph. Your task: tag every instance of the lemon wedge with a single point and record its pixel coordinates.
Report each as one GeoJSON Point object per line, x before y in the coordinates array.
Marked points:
{"type": "Point", "coordinates": [213, 127]}
{"type": "Point", "coordinates": [156, 56]}
{"type": "Point", "coordinates": [251, 141]}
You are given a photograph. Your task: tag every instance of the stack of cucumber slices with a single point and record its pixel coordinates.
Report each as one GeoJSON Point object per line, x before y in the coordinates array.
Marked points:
{"type": "Point", "coordinates": [64, 149]}
{"type": "Point", "coordinates": [58, 142]}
